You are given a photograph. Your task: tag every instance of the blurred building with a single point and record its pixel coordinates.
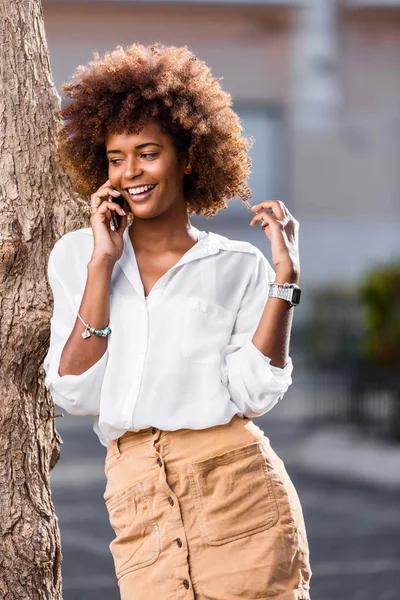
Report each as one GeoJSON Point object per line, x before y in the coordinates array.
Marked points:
{"type": "Point", "coordinates": [316, 82]}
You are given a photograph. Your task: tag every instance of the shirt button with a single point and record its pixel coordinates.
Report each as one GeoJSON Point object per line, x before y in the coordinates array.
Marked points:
{"type": "Point", "coordinates": [171, 500]}
{"type": "Point", "coordinates": [159, 461]}
{"type": "Point", "coordinates": [179, 542]}
{"type": "Point", "coordinates": [127, 424]}
{"type": "Point", "coordinates": [154, 430]}
{"type": "Point", "coordinates": [186, 583]}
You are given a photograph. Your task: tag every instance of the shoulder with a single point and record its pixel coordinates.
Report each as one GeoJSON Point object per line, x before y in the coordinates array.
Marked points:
{"type": "Point", "coordinates": [255, 257]}
{"type": "Point", "coordinates": [240, 247]}
{"type": "Point", "coordinates": [225, 243]}
{"type": "Point", "coordinates": [69, 257]}
{"type": "Point", "coordinates": [77, 244]}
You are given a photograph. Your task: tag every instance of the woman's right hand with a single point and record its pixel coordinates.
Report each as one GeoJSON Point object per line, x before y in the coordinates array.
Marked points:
{"type": "Point", "coordinates": [107, 243]}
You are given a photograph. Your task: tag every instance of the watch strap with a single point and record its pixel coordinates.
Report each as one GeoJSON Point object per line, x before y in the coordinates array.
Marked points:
{"type": "Point", "coordinates": [290, 292]}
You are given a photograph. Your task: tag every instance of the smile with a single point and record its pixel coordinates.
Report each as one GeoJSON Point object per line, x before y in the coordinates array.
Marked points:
{"type": "Point", "coordinates": [141, 193]}
{"type": "Point", "coordinates": [139, 190]}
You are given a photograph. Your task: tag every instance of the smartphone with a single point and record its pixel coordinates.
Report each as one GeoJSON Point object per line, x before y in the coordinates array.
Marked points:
{"type": "Point", "coordinates": [115, 217]}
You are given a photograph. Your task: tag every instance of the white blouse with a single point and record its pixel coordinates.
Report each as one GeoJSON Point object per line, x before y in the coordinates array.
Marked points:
{"type": "Point", "coordinates": [183, 358]}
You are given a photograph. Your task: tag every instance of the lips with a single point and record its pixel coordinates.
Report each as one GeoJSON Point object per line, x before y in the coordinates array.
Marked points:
{"type": "Point", "coordinates": [142, 195]}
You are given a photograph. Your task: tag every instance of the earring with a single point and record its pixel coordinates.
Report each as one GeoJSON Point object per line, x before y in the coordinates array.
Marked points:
{"type": "Point", "coordinates": [188, 169]}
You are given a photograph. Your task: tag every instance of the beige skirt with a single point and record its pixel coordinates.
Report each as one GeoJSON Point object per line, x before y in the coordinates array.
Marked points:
{"type": "Point", "coordinates": [208, 514]}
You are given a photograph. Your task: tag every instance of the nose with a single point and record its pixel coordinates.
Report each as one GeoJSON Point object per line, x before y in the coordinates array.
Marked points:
{"type": "Point", "coordinates": [132, 169]}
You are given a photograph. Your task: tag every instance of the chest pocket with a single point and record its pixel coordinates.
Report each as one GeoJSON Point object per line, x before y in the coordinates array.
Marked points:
{"type": "Point", "coordinates": [205, 329]}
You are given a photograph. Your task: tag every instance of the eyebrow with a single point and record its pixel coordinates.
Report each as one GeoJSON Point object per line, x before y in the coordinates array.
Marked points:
{"type": "Point", "coordinates": [137, 147]}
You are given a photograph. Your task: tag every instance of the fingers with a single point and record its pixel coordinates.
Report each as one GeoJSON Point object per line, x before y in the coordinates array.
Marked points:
{"type": "Point", "coordinates": [103, 207]}
{"type": "Point", "coordinates": [106, 208]}
{"type": "Point", "coordinates": [109, 205]}
{"type": "Point", "coordinates": [275, 214]}
{"type": "Point", "coordinates": [104, 192]}
{"type": "Point", "coordinates": [106, 185]}
{"type": "Point", "coordinates": [122, 226]}
{"type": "Point", "coordinates": [265, 219]}
{"type": "Point", "coordinates": [99, 197]}
{"type": "Point", "coordinates": [276, 206]}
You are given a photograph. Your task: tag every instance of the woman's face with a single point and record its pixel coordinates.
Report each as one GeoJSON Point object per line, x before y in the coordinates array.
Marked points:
{"type": "Point", "coordinates": [146, 160]}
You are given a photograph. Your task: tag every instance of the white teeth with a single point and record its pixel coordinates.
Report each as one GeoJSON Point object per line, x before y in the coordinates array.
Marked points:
{"type": "Point", "coordinates": [140, 190]}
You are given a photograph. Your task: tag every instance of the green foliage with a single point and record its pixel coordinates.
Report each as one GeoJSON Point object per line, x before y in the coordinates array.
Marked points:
{"type": "Point", "coordinates": [360, 322]}
{"type": "Point", "coordinates": [334, 330]}
{"type": "Point", "coordinates": [379, 292]}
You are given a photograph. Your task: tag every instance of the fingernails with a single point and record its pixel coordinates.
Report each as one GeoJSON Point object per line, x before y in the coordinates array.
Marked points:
{"type": "Point", "coordinates": [117, 192]}
{"type": "Point", "coordinates": [123, 212]}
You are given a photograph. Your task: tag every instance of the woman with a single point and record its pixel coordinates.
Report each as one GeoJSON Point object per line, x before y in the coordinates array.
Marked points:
{"type": "Point", "coordinates": [164, 334]}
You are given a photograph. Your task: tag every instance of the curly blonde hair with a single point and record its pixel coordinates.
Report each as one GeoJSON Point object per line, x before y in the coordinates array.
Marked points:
{"type": "Point", "coordinates": [128, 88]}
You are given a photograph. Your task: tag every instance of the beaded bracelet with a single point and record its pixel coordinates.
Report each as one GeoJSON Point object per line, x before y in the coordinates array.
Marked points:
{"type": "Point", "coordinates": [99, 332]}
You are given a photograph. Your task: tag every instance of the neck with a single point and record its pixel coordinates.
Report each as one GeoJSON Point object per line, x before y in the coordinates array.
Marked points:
{"type": "Point", "coordinates": [148, 235]}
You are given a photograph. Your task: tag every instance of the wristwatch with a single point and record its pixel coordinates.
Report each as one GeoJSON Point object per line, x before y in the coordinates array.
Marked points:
{"type": "Point", "coordinates": [287, 291]}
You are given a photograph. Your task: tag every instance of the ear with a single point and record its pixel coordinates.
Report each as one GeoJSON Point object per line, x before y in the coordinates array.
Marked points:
{"type": "Point", "coordinates": [184, 159]}
{"type": "Point", "coordinates": [188, 166]}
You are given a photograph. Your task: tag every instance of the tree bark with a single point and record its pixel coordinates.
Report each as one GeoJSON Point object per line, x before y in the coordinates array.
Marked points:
{"type": "Point", "coordinates": [37, 206]}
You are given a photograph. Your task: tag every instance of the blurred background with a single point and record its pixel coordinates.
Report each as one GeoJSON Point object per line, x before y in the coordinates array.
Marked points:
{"type": "Point", "coordinates": [317, 84]}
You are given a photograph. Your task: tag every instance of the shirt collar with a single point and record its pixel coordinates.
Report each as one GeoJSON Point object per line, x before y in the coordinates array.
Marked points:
{"type": "Point", "coordinates": [207, 244]}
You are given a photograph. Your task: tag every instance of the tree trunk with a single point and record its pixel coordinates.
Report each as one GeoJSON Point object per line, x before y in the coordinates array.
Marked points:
{"type": "Point", "coordinates": [37, 206]}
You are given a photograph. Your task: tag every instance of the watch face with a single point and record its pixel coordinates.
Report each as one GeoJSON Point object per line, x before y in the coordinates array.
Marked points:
{"type": "Point", "coordinates": [296, 296]}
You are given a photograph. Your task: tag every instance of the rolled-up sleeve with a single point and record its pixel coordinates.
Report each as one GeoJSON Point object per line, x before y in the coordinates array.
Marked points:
{"type": "Point", "coordinates": [80, 394]}
{"type": "Point", "coordinates": [255, 386]}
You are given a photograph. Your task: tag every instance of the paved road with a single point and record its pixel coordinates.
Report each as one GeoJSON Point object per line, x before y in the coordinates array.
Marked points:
{"type": "Point", "coordinates": [354, 531]}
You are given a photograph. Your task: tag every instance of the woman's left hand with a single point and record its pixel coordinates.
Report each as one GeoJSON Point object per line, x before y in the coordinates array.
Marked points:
{"type": "Point", "coordinates": [282, 229]}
